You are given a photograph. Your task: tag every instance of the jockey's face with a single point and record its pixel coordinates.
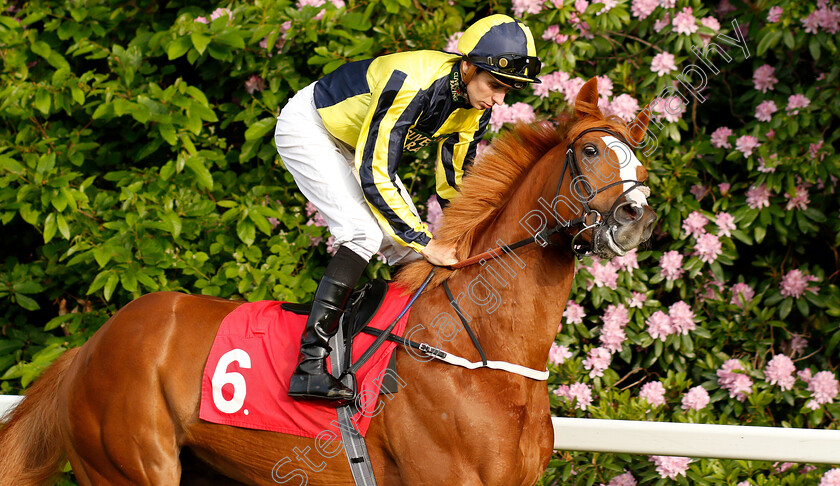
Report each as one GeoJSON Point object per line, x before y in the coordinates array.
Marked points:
{"type": "Point", "coordinates": [484, 91]}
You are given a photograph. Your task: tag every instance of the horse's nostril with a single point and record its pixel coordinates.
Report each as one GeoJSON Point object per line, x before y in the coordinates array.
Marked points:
{"type": "Point", "coordinates": [628, 213]}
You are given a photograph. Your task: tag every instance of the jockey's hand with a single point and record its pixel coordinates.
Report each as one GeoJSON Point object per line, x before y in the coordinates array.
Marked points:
{"type": "Point", "coordinates": [440, 254]}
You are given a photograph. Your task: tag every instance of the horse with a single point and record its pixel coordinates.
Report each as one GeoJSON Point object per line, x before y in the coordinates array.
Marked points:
{"type": "Point", "coordinates": [124, 407]}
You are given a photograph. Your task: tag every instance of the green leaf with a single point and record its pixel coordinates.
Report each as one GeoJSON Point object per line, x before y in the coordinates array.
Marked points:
{"type": "Point", "coordinates": [814, 47]}
{"type": "Point", "coordinates": [246, 231]}
{"type": "Point", "coordinates": [785, 308]}
{"type": "Point", "coordinates": [178, 47]}
{"type": "Point", "coordinates": [57, 321]}
{"type": "Point", "coordinates": [27, 303]}
{"type": "Point", "coordinates": [260, 128]}
{"type": "Point", "coordinates": [111, 285]}
{"type": "Point", "coordinates": [50, 227]}
{"type": "Point", "coordinates": [200, 41]}
{"type": "Point", "coordinates": [42, 101]}
{"type": "Point", "coordinates": [78, 95]}
{"type": "Point", "coordinates": [202, 174]}
{"type": "Point", "coordinates": [769, 40]}
{"type": "Point", "coordinates": [231, 39]}
{"type": "Point", "coordinates": [63, 227]}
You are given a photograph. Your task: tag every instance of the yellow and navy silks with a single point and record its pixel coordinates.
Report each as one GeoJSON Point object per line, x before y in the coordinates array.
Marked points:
{"type": "Point", "coordinates": [399, 103]}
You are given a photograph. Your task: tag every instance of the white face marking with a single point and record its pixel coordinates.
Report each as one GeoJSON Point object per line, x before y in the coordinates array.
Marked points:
{"type": "Point", "coordinates": [627, 163]}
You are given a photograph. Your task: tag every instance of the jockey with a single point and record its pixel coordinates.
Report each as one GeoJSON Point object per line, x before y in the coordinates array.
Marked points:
{"type": "Point", "coordinates": [342, 138]}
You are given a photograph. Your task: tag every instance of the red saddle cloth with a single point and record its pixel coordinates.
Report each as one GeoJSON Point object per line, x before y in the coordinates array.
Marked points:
{"type": "Point", "coordinates": [246, 376]}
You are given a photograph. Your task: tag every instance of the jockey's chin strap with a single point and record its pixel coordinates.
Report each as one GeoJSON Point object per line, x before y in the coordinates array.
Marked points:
{"type": "Point", "coordinates": [583, 192]}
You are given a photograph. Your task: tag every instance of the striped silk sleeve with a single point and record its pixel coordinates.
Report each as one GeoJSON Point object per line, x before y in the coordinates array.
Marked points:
{"type": "Point", "coordinates": [455, 155]}
{"type": "Point", "coordinates": [394, 110]}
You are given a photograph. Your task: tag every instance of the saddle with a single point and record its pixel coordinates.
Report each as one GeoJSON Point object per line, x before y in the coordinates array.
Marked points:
{"type": "Point", "coordinates": [363, 304]}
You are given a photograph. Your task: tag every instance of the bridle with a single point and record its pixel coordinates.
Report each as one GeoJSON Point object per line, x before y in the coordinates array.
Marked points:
{"type": "Point", "coordinates": [579, 181]}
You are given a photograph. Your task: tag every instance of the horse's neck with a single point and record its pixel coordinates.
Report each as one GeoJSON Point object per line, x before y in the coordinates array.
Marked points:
{"type": "Point", "coordinates": [516, 302]}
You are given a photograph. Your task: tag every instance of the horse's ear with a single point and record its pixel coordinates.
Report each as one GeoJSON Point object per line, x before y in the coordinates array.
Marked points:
{"type": "Point", "coordinates": [586, 103]}
{"type": "Point", "coordinates": [635, 131]}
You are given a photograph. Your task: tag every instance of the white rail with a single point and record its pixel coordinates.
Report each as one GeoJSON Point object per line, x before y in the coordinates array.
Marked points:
{"type": "Point", "coordinates": [813, 446]}
{"type": "Point", "coordinates": [698, 440]}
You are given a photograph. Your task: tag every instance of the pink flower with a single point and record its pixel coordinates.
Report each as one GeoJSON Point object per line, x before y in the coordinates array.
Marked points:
{"type": "Point", "coordinates": [770, 134]}
{"type": "Point", "coordinates": [764, 111]}
{"type": "Point", "coordinates": [724, 7]}
{"type": "Point", "coordinates": [725, 223]}
{"type": "Point", "coordinates": [558, 355]}
{"type": "Point", "coordinates": [434, 214]}
{"type": "Point", "coordinates": [625, 479]}
{"type": "Point", "coordinates": [823, 387]}
{"type": "Point", "coordinates": [720, 138]}
{"type": "Point", "coordinates": [823, 17]}
{"type": "Point", "coordinates": [654, 393]}
{"type": "Point", "coordinates": [527, 6]}
{"type": "Point", "coordinates": [511, 114]}
{"type": "Point", "coordinates": [612, 332]}
{"type": "Point", "coordinates": [667, 3]}
{"type": "Point", "coordinates": [795, 284]}
{"type": "Point", "coordinates": [202, 20]}
{"type": "Point", "coordinates": [604, 275]}
{"type": "Point", "coordinates": [605, 86]}
{"type": "Point", "coordinates": [578, 391]}
{"type": "Point", "coordinates": [684, 22]}
{"type": "Point", "coordinates": [739, 385]}
{"type": "Point", "coordinates": [804, 375]}
{"type": "Point", "coordinates": [775, 14]}
{"type": "Point", "coordinates": [659, 325]}
{"type": "Point", "coordinates": [638, 300]}
{"type": "Point", "coordinates": [254, 83]}
{"type": "Point", "coordinates": [643, 8]}
{"type": "Point", "coordinates": [663, 63]}
{"type": "Point", "coordinates": [316, 218]}
{"type": "Point", "coordinates": [814, 150]}
{"type": "Point", "coordinates": [671, 108]}
{"type": "Point", "coordinates": [628, 261]}
{"type": "Point", "coordinates": [452, 42]}
{"type": "Point", "coordinates": [763, 78]}
{"type": "Point", "coordinates": [708, 247]}
{"type": "Point", "coordinates": [682, 317]}
{"type": "Point", "coordinates": [581, 5]}
{"type": "Point", "coordinates": [625, 107]}
{"type": "Point", "coordinates": [797, 345]}
{"type": "Point", "coordinates": [724, 189]}
{"type": "Point", "coordinates": [616, 315]}
{"type": "Point", "coordinates": [698, 191]}
{"type": "Point", "coordinates": [758, 196]}
{"type": "Point", "coordinates": [574, 313]}
{"type": "Point", "coordinates": [741, 294]}
{"type": "Point", "coordinates": [831, 478]}
{"type": "Point", "coordinates": [597, 361]}
{"type": "Point", "coordinates": [795, 102]}
{"type": "Point", "coordinates": [745, 144]}
{"type": "Point", "coordinates": [711, 23]}
{"type": "Point", "coordinates": [608, 5]}
{"type": "Point", "coordinates": [696, 399]}
{"type": "Point", "coordinates": [220, 12]}
{"type": "Point", "coordinates": [670, 466]}
{"type": "Point", "coordinates": [694, 224]}
{"type": "Point", "coordinates": [662, 23]}
{"type": "Point", "coordinates": [670, 264]}
{"type": "Point", "coordinates": [779, 371]}
{"type": "Point", "coordinates": [799, 200]}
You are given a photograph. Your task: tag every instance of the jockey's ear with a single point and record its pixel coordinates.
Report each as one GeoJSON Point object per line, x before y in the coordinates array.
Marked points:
{"type": "Point", "coordinates": [468, 70]}
{"type": "Point", "coordinates": [586, 103]}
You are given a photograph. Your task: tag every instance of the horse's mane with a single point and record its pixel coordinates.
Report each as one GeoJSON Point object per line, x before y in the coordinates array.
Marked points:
{"type": "Point", "coordinates": [493, 179]}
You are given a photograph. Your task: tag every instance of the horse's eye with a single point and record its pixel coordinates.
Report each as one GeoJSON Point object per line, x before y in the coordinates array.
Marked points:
{"type": "Point", "coordinates": [590, 151]}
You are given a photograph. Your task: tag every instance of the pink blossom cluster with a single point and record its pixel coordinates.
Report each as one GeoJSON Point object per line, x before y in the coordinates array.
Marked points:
{"type": "Point", "coordinates": [671, 108]}
{"type": "Point", "coordinates": [670, 265]}
{"type": "Point", "coordinates": [695, 399]}
{"type": "Point", "coordinates": [284, 28]}
{"type": "Point", "coordinates": [637, 300]}
{"type": "Point", "coordinates": [678, 320]}
{"type": "Point", "coordinates": [831, 478]}
{"type": "Point", "coordinates": [219, 12]}
{"type": "Point", "coordinates": [654, 393]}
{"type": "Point", "coordinates": [746, 144]}
{"type": "Point", "coordinates": [695, 224]}
{"type": "Point", "coordinates": [527, 6]}
{"type": "Point", "coordinates": [670, 466]}
{"type": "Point", "coordinates": [603, 274]}
{"type": "Point", "coordinates": [574, 312]}
{"type": "Point", "coordinates": [684, 22]}
{"type": "Point", "coordinates": [559, 82]}
{"type": "Point", "coordinates": [452, 42]}
{"type": "Point", "coordinates": [774, 14]}
{"type": "Point", "coordinates": [660, 24]}
{"type": "Point", "coordinates": [797, 344]}
{"type": "Point", "coordinates": [511, 114]}
{"type": "Point", "coordinates": [764, 79]}
{"type": "Point", "coordinates": [720, 138]}
{"type": "Point", "coordinates": [779, 371]}
{"type": "Point", "coordinates": [814, 150]}
{"type": "Point", "coordinates": [764, 111]}
{"type": "Point", "coordinates": [641, 9]}
{"type": "Point", "coordinates": [795, 284]}
{"type": "Point", "coordinates": [824, 17]}
{"type": "Point", "coordinates": [558, 355]}
{"type": "Point", "coordinates": [725, 223]}
{"type": "Point", "coordinates": [799, 200]}
{"type": "Point", "coordinates": [823, 387]}
{"type": "Point", "coordinates": [580, 393]}
{"type": "Point", "coordinates": [628, 261]}
{"type": "Point", "coordinates": [763, 164]}
{"type": "Point", "coordinates": [795, 102]}
{"type": "Point", "coordinates": [663, 63]}
{"type": "Point", "coordinates": [699, 191]}
{"type": "Point", "coordinates": [597, 360]}
{"type": "Point", "coordinates": [739, 385]}
{"type": "Point", "coordinates": [741, 294]}
{"type": "Point", "coordinates": [434, 214]}
{"type": "Point", "coordinates": [625, 479]}
{"type": "Point", "coordinates": [616, 318]}
{"type": "Point", "coordinates": [759, 196]}
{"type": "Point", "coordinates": [254, 84]}
{"type": "Point", "coordinates": [708, 247]}
{"type": "Point", "coordinates": [552, 33]}
{"type": "Point", "coordinates": [625, 107]}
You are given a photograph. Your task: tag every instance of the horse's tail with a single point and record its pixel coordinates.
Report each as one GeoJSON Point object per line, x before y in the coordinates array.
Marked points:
{"type": "Point", "coordinates": [31, 449]}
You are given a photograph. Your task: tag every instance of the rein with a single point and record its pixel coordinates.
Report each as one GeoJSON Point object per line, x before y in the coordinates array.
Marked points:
{"type": "Point", "coordinates": [578, 180]}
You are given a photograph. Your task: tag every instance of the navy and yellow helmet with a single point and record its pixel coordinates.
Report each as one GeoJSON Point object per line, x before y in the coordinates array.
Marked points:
{"type": "Point", "coordinates": [504, 47]}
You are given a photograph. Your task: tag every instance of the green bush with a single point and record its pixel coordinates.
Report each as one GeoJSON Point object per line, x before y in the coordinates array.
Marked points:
{"type": "Point", "coordinates": [137, 156]}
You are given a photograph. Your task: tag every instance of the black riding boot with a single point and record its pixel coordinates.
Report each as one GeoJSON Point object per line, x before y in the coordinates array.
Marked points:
{"type": "Point", "coordinates": [311, 379]}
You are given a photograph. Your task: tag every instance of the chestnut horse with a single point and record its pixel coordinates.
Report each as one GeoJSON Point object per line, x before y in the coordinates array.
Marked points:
{"type": "Point", "coordinates": [123, 408]}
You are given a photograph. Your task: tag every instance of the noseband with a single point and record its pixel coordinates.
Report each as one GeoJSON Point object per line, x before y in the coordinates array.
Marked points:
{"type": "Point", "coordinates": [579, 181]}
